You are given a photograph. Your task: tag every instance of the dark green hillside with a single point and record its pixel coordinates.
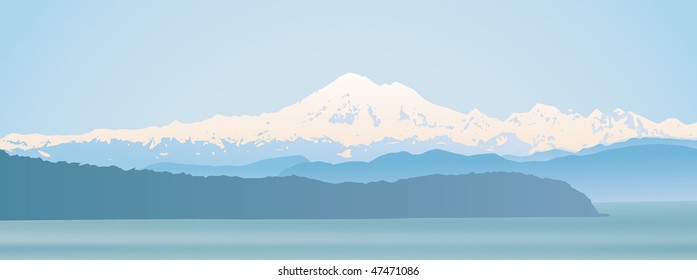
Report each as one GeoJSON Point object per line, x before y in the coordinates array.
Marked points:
{"type": "Point", "coordinates": [35, 189]}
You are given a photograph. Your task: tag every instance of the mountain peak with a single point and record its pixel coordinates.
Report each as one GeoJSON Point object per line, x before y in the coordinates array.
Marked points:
{"type": "Point", "coordinates": [352, 79]}
{"type": "Point", "coordinates": [672, 122]}
{"type": "Point", "coordinates": [596, 114]}
{"type": "Point", "coordinates": [544, 108]}
{"type": "Point", "coordinates": [349, 83]}
{"type": "Point", "coordinates": [360, 89]}
{"type": "Point", "coordinates": [476, 113]}
{"type": "Point", "coordinates": [618, 111]}
{"type": "Point", "coordinates": [175, 123]}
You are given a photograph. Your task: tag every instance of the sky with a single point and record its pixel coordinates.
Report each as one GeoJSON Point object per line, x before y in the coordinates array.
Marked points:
{"type": "Point", "coordinates": [69, 67]}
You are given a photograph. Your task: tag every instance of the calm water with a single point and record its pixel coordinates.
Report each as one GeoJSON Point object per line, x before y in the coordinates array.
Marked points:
{"type": "Point", "coordinates": [633, 231]}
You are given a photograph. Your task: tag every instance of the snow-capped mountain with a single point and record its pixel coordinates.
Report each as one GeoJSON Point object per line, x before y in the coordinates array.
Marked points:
{"type": "Point", "coordinates": [351, 117]}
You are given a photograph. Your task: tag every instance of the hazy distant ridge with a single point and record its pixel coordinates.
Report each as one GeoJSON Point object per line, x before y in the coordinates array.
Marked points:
{"type": "Point", "coordinates": [632, 173]}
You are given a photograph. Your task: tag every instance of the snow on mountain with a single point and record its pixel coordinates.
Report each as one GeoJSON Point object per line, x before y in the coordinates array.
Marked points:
{"type": "Point", "coordinates": [356, 116]}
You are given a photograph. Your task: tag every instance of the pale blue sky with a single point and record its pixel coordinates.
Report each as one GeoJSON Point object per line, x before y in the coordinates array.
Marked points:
{"type": "Point", "coordinates": [71, 66]}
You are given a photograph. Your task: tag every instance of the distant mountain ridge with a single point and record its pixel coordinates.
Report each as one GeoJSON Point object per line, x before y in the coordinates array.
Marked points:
{"type": "Point", "coordinates": [352, 118]}
{"type": "Point", "coordinates": [633, 173]}
{"type": "Point", "coordinates": [32, 189]}
{"type": "Point", "coordinates": [544, 156]}
{"type": "Point", "coordinates": [260, 169]}
{"type": "Point", "coordinates": [636, 170]}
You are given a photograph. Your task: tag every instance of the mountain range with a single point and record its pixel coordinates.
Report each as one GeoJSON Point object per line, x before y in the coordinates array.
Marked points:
{"type": "Point", "coordinates": [351, 119]}
{"type": "Point", "coordinates": [636, 170]}
{"type": "Point", "coordinates": [634, 173]}
{"type": "Point", "coordinates": [263, 168]}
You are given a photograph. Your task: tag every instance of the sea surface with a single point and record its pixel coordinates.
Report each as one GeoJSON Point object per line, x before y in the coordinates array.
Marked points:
{"type": "Point", "coordinates": [646, 230]}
